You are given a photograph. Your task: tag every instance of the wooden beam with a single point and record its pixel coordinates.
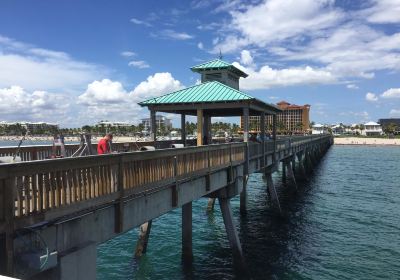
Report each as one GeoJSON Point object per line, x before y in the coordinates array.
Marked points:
{"type": "Point", "coordinates": [153, 126]}
{"type": "Point", "coordinates": [183, 129]}
{"type": "Point", "coordinates": [199, 127]}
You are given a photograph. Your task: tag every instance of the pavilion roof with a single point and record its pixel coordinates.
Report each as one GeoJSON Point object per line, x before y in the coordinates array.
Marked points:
{"type": "Point", "coordinates": [217, 64]}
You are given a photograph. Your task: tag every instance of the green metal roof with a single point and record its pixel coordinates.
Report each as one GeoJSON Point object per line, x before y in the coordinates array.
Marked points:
{"type": "Point", "coordinates": [206, 92]}
{"type": "Point", "coordinates": [217, 64]}
{"type": "Point", "coordinates": [213, 64]}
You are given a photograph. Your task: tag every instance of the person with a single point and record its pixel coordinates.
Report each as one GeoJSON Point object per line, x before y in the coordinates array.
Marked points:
{"type": "Point", "coordinates": [104, 145]}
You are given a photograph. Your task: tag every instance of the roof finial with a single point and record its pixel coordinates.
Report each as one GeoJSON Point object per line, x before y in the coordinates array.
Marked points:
{"type": "Point", "coordinates": [220, 54]}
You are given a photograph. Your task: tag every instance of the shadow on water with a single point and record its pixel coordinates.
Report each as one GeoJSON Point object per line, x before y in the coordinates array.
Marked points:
{"type": "Point", "coordinates": [268, 237]}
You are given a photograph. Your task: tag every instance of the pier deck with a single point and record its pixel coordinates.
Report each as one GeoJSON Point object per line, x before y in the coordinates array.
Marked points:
{"type": "Point", "coordinates": [76, 203]}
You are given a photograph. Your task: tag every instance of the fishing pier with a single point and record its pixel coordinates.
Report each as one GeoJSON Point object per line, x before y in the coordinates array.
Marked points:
{"type": "Point", "coordinates": [55, 212]}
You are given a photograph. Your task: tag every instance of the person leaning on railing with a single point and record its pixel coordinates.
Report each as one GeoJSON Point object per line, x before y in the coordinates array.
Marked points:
{"type": "Point", "coordinates": [104, 145]}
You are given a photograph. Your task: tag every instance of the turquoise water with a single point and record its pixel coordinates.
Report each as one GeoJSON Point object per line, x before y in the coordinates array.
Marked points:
{"type": "Point", "coordinates": [342, 224]}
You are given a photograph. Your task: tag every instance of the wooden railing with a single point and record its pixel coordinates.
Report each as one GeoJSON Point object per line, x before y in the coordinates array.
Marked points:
{"type": "Point", "coordinates": [40, 152]}
{"type": "Point", "coordinates": [68, 184]}
{"type": "Point", "coordinates": [59, 187]}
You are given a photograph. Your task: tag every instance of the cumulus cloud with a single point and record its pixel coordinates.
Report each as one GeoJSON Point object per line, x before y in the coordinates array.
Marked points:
{"type": "Point", "coordinates": [383, 11]}
{"type": "Point", "coordinates": [371, 97]}
{"type": "Point", "coordinates": [141, 64]}
{"type": "Point", "coordinates": [18, 104]}
{"type": "Point", "coordinates": [36, 68]}
{"type": "Point", "coordinates": [246, 58]}
{"type": "Point", "coordinates": [156, 85]}
{"type": "Point", "coordinates": [103, 92]}
{"type": "Point", "coordinates": [267, 77]}
{"type": "Point", "coordinates": [391, 93]}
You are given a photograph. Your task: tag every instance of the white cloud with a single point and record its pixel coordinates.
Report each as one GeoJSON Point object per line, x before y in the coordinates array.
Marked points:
{"type": "Point", "coordinates": [140, 22]}
{"type": "Point", "coordinates": [103, 92]}
{"type": "Point", "coordinates": [36, 68]}
{"type": "Point", "coordinates": [156, 85]}
{"type": "Point", "coordinates": [383, 11]}
{"type": "Point", "coordinates": [200, 45]}
{"type": "Point", "coordinates": [172, 34]}
{"type": "Point", "coordinates": [394, 113]}
{"type": "Point", "coordinates": [391, 93]}
{"type": "Point", "coordinates": [276, 20]}
{"type": "Point", "coordinates": [128, 54]}
{"type": "Point", "coordinates": [139, 64]}
{"type": "Point", "coordinates": [18, 104]}
{"type": "Point", "coordinates": [352, 86]}
{"type": "Point", "coordinates": [371, 97]}
{"type": "Point", "coordinates": [246, 58]}
{"type": "Point", "coordinates": [267, 77]}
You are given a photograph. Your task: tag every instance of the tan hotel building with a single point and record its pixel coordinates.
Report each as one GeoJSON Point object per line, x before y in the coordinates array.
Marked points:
{"type": "Point", "coordinates": [293, 118]}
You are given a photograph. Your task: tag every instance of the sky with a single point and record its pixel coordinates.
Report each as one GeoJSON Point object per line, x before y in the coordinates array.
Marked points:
{"type": "Point", "coordinates": [78, 62]}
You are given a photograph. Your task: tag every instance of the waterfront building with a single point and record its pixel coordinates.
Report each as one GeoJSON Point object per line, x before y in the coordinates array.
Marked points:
{"type": "Point", "coordinates": [293, 119]}
{"type": "Point", "coordinates": [319, 129]}
{"type": "Point", "coordinates": [372, 129]}
{"type": "Point", "coordinates": [338, 129]}
{"type": "Point", "coordinates": [32, 127]}
{"type": "Point", "coordinates": [114, 124]}
{"type": "Point", "coordinates": [161, 122]}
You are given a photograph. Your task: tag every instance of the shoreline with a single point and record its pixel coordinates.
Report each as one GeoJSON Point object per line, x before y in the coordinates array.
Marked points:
{"type": "Point", "coordinates": [366, 141]}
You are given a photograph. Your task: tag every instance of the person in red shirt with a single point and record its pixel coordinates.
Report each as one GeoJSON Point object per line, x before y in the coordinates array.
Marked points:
{"type": "Point", "coordinates": [104, 145]}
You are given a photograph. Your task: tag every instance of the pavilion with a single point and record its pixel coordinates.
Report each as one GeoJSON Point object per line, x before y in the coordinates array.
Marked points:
{"type": "Point", "coordinates": [218, 94]}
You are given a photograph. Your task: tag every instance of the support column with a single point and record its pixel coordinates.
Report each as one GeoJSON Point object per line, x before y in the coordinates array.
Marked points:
{"type": "Point", "coordinates": [187, 248]}
{"type": "Point", "coordinates": [144, 234]}
{"type": "Point", "coordinates": [153, 126]}
{"type": "Point", "coordinates": [272, 191]}
{"type": "Point", "coordinates": [302, 171]}
{"type": "Point", "coordinates": [207, 130]}
{"type": "Point", "coordinates": [243, 194]}
{"type": "Point", "coordinates": [262, 134]}
{"type": "Point", "coordinates": [290, 173]}
{"type": "Point", "coordinates": [183, 129]}
{"type": "Point", "coordinates": [294, 163]}
{"type": "Point", "coordinates": [199, 127]}
{"type": "Point", "coordinates": [274, 132]}
{"type": "Point", "coordinates": [284, 172]}
{"type": "Point", "coordinates": [232, 234]}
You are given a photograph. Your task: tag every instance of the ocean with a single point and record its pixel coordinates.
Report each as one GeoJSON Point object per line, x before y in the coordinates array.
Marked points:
{"type": "Point", "coordinates": [344, 223]}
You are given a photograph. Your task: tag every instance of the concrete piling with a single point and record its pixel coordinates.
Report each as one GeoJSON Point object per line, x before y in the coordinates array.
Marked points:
{"type": "Point", "coordinates": [144, 234]}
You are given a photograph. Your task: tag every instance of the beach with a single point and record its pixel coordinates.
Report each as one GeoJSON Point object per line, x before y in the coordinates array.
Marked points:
{"type": "Point", "coordinates": [366, 141]}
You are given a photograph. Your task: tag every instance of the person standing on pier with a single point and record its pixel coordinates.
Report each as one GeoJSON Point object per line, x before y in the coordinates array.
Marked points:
{"type": "Point", "coordinates": [104, 145]}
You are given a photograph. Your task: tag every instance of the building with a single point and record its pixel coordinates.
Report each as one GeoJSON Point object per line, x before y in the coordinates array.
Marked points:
{"type": "Point", "coordinates": [372, 129]}
{"type": "Point", "coordinates": [161, 122]}
{"type": "Point", "coordinates": [293, 119]}
{"type": "Point", "coordinates": [319, 129]}
{"type": "Point", "coordinates": [338, 129]}
{"type": "Point", "coordinates": [114, 124]}
{"type": "Point", "coordinates": [32, 127]}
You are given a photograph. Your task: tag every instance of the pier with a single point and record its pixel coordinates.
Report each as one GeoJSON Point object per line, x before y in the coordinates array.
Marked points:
{"type": "Point", "coordinates": [73, 204]}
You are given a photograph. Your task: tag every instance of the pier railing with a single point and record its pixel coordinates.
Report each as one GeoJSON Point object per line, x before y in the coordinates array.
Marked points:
{"type": "Point", "coordinates": [59, 187]}
{"type": "Point", "coordinates": [40, 190]}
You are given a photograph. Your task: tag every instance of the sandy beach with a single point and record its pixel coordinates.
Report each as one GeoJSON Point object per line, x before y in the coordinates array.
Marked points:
{"type": "Point", "coordinates": [366, 141]}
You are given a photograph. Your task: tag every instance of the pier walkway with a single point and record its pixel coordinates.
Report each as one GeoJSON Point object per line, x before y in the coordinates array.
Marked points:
{"type": "Point", "coordinates": [55, 212]}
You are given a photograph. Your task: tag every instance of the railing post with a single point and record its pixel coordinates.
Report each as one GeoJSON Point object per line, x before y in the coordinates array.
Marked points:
{"type": "Point", "coordinates": [8, 188]}
{"type": "Point", "coordinates": [119, 206]}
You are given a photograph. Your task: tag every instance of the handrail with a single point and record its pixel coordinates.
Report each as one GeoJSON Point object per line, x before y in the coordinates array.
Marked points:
{"type": "Point", "coordinates": [64, 186]}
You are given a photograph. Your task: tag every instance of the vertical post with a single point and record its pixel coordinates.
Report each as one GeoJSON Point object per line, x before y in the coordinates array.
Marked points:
{"type": "Point", "coordinates": [283, 172]}
{"type": "Point", "coordinates": [183, 129]}
{"type": "Point", "coordinates": [187, 249]}
{"type": "Point", "coordinates": [144, 234]}
{"type": "Point", "coordinates": [119, 206]}
{"type": "Point", "coordinates": [9, 187]}
{"type": "Point", "coordinates": [206, 130]}
{"type": "Point", "coordinates": [199, 127]}
{"type": "Point", "coordinates": [153, 126]}
{"type": "Point", "coordinates": [262, 134]}
{"type": "Point", "coordinates": [232, 233]}
{"type": "Point", "coordinates": [272, 191]}
{"type": "Point", "coordinates": [274, 132]}
{"type": "Point", "coordinates": [243, 194]}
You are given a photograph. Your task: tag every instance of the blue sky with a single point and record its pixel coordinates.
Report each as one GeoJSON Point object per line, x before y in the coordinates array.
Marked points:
{"type": "Point", "coordinates": [78, 62]}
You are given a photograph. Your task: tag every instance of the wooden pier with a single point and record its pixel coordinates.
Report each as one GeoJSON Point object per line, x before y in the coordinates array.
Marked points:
{"type": "Point", "coordinates": [76, 203]}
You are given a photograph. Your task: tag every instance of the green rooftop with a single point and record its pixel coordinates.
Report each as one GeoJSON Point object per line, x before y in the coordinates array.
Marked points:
{"type": "Point", "coordinates": [206, 92]}
{"type": "Point", "coordinates": [215, 65]}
